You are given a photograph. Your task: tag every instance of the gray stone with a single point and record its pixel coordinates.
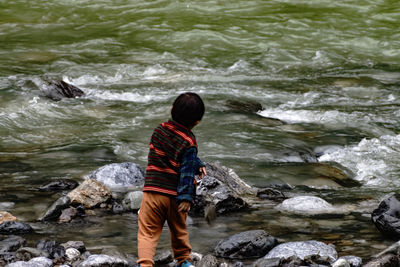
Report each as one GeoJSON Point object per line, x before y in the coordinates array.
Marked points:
{"type": "Point", "coordinates": [79, 245]}
{"type": "Point", "coordinates": [341, 263]}
{"type": "Point", "coordinates": [55, 209]}
{"type": "Point", "coordinates": [387, 260]}
{"type": "Point", "coordinates": [67, 215]}
{"type": "Point", "coordinates": [72, 254]}
{"type": "Point", "coordinates": [58, 185]}
{"type": "Point", "coordinates": [100, 260]}
{"type": "Point", "coordinates": [273, 262]}
{"type": "Point", "coordinates": [163, 257]}
{"type": "Point", "coordinates": [306, 205]}
{"type": "Point", "coordinates": [28, 253]}
{"type": "Point", "coordinates": [354, 261]}
{"type": "Point", "coordinates": [12, 227]}
{"type": "Point", "coordinates": [90, 194]}
{"type": "Point", "coordinates": [132, 200]}
{"type": "Point", "coordinates": [120, 176]}
{"type": "Point", "coordinates": [208, 261]}
{"type": "Point", "coordinates": [245, 245]}
{"type": "Point", "coordinates": [11, 244]}
{"type": "Point", "coordinates": [35, 262]}
{"type": "Point", "coordinates": [54, 249]}
{"type": "Point", "coordinates": [303, 249]}
{"type": "Point", "coordinates": [387, 216]}
{"type": "Point", "coordinates": [58, 89]}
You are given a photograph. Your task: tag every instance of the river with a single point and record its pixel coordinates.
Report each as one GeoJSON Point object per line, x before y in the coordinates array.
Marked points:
{"type": "Point", "coordinates": [328, 70]}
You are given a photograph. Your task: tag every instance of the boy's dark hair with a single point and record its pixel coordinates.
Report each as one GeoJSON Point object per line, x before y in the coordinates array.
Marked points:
{"type": "Point", "coordinates": [187, 109]}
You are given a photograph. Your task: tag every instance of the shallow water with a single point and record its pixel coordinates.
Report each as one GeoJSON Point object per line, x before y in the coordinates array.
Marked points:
{"type": "Point", "coordinates": [328, 70]}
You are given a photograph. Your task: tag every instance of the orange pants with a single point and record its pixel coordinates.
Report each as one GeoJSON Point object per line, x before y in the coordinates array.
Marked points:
{"type": "Point", "coordinates": [154, 211]}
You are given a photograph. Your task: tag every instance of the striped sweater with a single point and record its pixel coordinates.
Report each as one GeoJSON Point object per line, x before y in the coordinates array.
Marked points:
{"type": "Point", "coordinates": [168, 143]}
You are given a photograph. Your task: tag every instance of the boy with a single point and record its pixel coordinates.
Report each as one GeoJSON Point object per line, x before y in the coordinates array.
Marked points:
{"type": "Point", "coordinates": [169, 181]}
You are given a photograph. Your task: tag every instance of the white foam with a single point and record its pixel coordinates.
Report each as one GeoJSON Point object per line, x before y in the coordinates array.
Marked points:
{"type": "Point", "coordinates": [375, 162]}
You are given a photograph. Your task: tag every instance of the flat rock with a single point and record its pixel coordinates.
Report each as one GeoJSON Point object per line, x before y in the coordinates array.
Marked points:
{"type": "Point", "coordinates": [6, 216]}
{"type": "Point", "coordinates": [90, 194]}
{"type": "Point", "coordinates": [12, 227]}
{"type": "Point", "coordinates": [120, 176]}
{"type": "Point", "coordinates": [387, 217]}
{"type": "Point", "coordinates": [302, 250]}
{"type": "Point", "coordinates": [245, 245]}
{"type": "Point", "coordinates": [306, 205]}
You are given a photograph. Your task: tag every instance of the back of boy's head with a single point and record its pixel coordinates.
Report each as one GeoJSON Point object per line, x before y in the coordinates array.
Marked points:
{"type": "Point", "coordinates": [187, 109]}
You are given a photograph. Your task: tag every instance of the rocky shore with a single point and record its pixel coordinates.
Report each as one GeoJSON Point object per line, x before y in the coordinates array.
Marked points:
{"type": "Point", "coordinates": [117, 188]}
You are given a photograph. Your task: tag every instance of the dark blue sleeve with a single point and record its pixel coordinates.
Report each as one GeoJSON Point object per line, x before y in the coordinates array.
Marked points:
{"type": "Point", "coordinates": [189, 167]}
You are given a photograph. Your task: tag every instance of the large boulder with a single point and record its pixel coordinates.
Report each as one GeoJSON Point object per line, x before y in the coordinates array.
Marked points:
{"type": "Point", "coordinates": [120, 176]}
{"type": "Point", "coordinates": [223, 189]}
{"type": "Point", "coordinates": [387, 216]}
{"type": "Point", "coordinates": [303, 250]}
{"type": "Point", "coordinates": [6, 216]}
{"type": "Point", "coordinates": [90, 194]}
{"type": "Point", "coordinates": [100, 260]}
{"type": "Point", "coordinates": [245, 245]}
{"type": "Point", "coordinates": [12, 227]}
{"type": "Point", "coordinates": [306, 205]}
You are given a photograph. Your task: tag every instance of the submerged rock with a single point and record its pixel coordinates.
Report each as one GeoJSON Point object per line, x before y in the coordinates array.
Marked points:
{"type": "Point", "coordinates": [387, 217]}
{"type": "Point", "coordinates": [58, 89]}
{"type": "Point", "coordinates": [6, 216]}
{"type": "Point", "coordinates": [103, 260]}
{"type": "Point", "coordinates": [302, 250]}
{"type": "Point", "coordinates": [90, 194]}
{"type": "Point", "coordinates": [56, 209]}
{"type": "Point", "coordinates": [244, 106]}
{"type": "Point", "coordinates": [306, 205]}
{"type": "Point", "coordinates": [245, 245]}
{"type": "Point", "coordinates": [59, 185]}
{"type": "Point", "coordinates": [12, 227]}
{"type": "Point", "coordinates": [334, 172]}
{"type": "Point", "coordinates": [125, 176]}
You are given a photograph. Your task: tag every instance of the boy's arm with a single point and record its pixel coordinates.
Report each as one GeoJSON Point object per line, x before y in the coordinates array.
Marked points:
{"type": "Point", "coordinates": [188, 169]}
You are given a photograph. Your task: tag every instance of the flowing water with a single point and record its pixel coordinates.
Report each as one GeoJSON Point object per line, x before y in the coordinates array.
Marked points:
{"type": "Point", "coordinates": [328, 70]}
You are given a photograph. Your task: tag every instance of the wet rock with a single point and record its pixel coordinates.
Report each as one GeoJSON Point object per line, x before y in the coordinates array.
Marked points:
{"type": "Point", "coordinates": [132, 200]}
{"type": "Point", "coordinates": [67, 215]}
{"type": "Point", "coordinates": [387, 217]}
{"type": "Point", "coordinates": [72, 254]}
{"type": "Point", "coordinates": [58, 89]}
{"type": "Point", "coordinates": [11, 244]}
{"type": "Point", "coordinates": [208, 261]}
{"type": "Point", "coordinates": [59, 185]}
{"type": "Point", "coordinates": [334, 172]}
{"type": "Point", "coordinates": [271, 194]}
{"type": "Point", "coordinates": [35, 262]}
{"type": "Point", "coordinates": [90, 194]}
{"type": "Point", "coordinates": [55, 209]}
{"type": "Point", "coordinates": [79, 245]}
{"type": "Point", "coordinates": [306, 205]}
{"type": "Point", "coordinates": [245, 245]}
{"type": "Point", "coordinates": [6, 216]}
{"type": "Point", "coordinates": [303, 249]}
{"type": "Point", "coordinates": [223, 189]}
{"type": "Point", "coordinates": [117, 207]}
{"type": "Point", "coordinates": [273, 262]}
{"type": "Point", "coordinates": [11, 227]}
{"type": "Point", "coordinates": [244, 106]}
{"type": "Point", "coordinates": [103, 260]}
{"type": "Point", "coordinates": [354, 261]}
{"type": "Point", "coordinates": [120, 176]}
{"type": "Point", "coordinates": [388, 260]}
{"type": "Point", "coordinates": [341, 263]}
{"type": "Point", "coordinates": [163, 257]}
{"type": "Point", "coordinates": [392, 249]}
{"type": "Point", "coordinates": [28, 253]}
{"type": "Point", "coordinates": [54, 249]}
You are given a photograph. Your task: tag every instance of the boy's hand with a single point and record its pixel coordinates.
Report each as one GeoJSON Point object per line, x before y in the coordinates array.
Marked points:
{"type": "Point", "coordinates": [184, 206]}
{"type": "Point", "coordinates": [202, 172]}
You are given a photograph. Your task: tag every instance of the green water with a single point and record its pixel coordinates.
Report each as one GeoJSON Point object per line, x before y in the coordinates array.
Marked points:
{"type": "Point", "coordinates": [329, 70]}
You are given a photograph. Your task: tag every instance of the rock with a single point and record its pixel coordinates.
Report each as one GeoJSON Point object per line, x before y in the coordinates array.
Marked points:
{"type": "Point", "coordinates": [306, 205]}
{"type": "Point", "coordinates": [334, 172]}
{"type": "Point", "coordinates": [387, 260]}
{"type": "Point", "coordinates": [245, 245]}
{"type": "Point", "coordinates": [243, 106]}
{"type": "Point", "coordinates": [58, 89]}
{"type": "Point", "coordinates": [163, 257]}
{"type": "Point", "coordinates": [208, 261]}
{"type": "Point", "coordinates": [67, 215]}
{"type": "Point", "coordinates": [59, 185]}
{"type": "Point", "coordinates": [6, 216]}
{"type": "Point", "coordinates": [11, 227]}
{"type": "Point", "coordinates": [223, 189]}
{"type": "Point", "coordinates": [72, 254]}
{"type": "Point", "coordinates": [303, 249]}
{"type": "Point", "coordinates": [90, 194]}
{"type": "Point", "coordinates": [341, 263]}
{"type": "Point", "coordinates": [28, 253]}
{"type": "Point", "coordinates": [354, 261]}
{"type": "Point", "coordinates": [273, 262]}
{"type": "Point", "coordinates": [120, 176]}
{"type": "Point", "coordinates": [11, 244]}
{"type": "Point", "coordinates": [271, 194]}
{"type": "Point", "coordinates": [387, 216]}
{"type": "Point", "coordinates": [56, 208]}
{"type": "Point", "coordinates": [392, 249]}
{"type": "Point", "coordinates": [54, 249]}
{"type": "Point", "coordinates": [101, 260]}
{"type": "Point", "coordinates": [132, 200]}
{"type": "Point", "coordinates": [35, 262]}
{"type": "Point", "coordinates": [79, 245]}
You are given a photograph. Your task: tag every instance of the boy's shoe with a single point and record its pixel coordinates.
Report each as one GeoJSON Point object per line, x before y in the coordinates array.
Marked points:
{"type": "Point", "coordinates": [186, 263]}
